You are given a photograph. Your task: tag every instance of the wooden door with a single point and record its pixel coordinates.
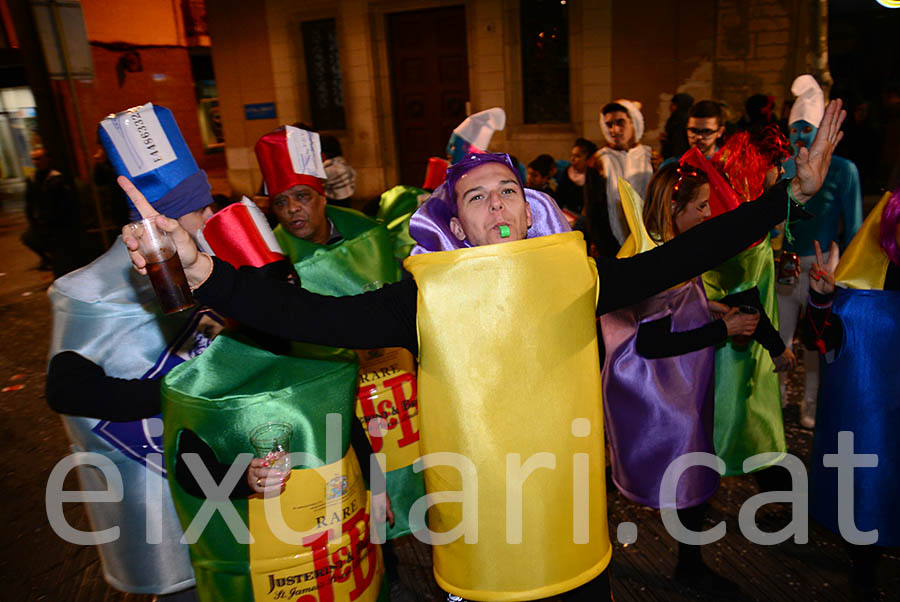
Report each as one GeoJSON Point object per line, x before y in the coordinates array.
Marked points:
{"type": "Point", "coordinates": [430, 84]}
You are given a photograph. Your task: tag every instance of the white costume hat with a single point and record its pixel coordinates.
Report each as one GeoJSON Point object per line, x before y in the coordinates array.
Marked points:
{"type": "Point", "coordinates": [477, 129]}
{"type": "Point", "coordinates": [637, 118]}
{"type": "Point", "coordinates": [810, 103]}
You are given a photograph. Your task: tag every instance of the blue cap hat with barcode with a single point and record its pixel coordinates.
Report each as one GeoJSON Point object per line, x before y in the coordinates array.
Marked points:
{"type": "Point", "coordinates": [145, 145]}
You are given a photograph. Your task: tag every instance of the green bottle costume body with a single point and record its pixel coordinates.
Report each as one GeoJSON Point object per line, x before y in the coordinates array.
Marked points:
{"type": "Point", "coordinates": [748, 417]}
{"type": "Point", "coordinates": [394, 210]}
{"type": "Point", "coordinates": [325, 494]}
{"type": "Point", "coordinates": [364, 260]}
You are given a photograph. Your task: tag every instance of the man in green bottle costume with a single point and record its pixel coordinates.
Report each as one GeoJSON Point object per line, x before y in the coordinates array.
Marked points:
{"type": "Point", "coordinates": [338, 251]}
{"type": "Point", "coordinates": [306, 538]}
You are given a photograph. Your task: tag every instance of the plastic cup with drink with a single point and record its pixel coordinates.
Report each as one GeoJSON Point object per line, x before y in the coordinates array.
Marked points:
{"type": "Point", "coordinates": [788, 265]}
{"type": "Point", "coordinates": [741, 341]}
{"type": "Point", "coordinates": [272, 442]}
{"type": "Point", "coordinates": [163, 266]}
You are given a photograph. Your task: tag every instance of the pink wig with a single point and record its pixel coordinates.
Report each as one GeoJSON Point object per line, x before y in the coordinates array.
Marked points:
{"type": "Point", "coordinates": [890, 220]}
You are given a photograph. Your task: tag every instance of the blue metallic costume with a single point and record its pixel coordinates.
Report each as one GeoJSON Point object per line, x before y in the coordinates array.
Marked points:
{"type": "Point", "coordinates": [860, 394]}
{"type": "Point", "coordinates": [109, 314]}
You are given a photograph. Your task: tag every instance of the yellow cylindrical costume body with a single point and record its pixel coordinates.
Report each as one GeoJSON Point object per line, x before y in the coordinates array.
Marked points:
{"type": "Point", "coordinates": [509, 378]}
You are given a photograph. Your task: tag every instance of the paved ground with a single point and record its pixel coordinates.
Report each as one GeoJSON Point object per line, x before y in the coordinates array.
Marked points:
{"type": "Point", "coordinates": [35, 564]}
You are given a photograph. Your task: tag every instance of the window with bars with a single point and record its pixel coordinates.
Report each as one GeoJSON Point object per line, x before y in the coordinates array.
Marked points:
{"type": "Point", "coordinates": [323, 74]}
{"type": "Point", "coordinates": [545, 60]}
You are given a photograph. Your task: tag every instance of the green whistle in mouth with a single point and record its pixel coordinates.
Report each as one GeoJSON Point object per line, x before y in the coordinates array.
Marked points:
{"type": "Point", "coordinates": [504, 231]}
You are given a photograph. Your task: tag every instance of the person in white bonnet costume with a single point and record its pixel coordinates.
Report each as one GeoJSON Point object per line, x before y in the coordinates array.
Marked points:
{"type": "Point", "coordinates": [474, 133]}
{"type": "Point", "coordinates": [623, 157]}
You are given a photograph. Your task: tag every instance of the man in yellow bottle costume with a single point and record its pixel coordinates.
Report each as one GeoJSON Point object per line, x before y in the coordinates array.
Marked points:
{"type": "Point", "coordinates": [511, 425]}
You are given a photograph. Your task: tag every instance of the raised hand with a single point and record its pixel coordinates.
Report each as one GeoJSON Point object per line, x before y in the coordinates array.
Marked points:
{"type": "Point", "coordinates": [812, 164]}
{"type": "Point", "coordinates": [197, 266]}
{"type": "Point", "coordinates": [821, 273]}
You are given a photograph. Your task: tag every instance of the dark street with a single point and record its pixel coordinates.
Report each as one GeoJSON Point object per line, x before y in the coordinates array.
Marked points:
{"type": "Point", "coordinates": [38, 565]}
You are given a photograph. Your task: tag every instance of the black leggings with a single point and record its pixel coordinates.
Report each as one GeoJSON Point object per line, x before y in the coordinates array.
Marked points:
{"type": "Point", "coordinates": [597, 588]}
{"type": "Point", "coordinates": [692, 518]}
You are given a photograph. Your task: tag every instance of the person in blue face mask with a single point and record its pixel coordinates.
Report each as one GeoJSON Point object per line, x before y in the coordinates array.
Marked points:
{"type": "Point", "coordinates": [837, 211]}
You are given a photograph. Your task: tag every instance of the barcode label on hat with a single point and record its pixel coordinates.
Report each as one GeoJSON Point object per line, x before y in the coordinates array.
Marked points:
{"type": "Point", "coordinates": [139, 139]}
{"type": "Point", "coordinates": [305, 150]}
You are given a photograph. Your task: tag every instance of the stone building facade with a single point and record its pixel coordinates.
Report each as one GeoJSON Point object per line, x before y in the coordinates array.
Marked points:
{"type": "Point", "coordinates": [647, 51]}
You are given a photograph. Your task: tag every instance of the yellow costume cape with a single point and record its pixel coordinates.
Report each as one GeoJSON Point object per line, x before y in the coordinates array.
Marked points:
{"type": "Point", "coordinates": [864, 264]}
{"type": "Point", "coordinates": [632, 205]}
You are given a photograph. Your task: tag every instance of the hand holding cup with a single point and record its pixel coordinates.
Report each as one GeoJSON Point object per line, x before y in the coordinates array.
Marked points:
{"type": "Point", "coordinates": [271, 468]}
{"type": "Point", "coordinates": [162, 265]}
{"type": "Point", "coordinates": [263, 478]}
{"type": "Point", "coordinates": [740, 323]}
{"type": "Point", "coordinates": [718, 310]}
{"type": "Point", "coordinates": [741, 340]}
{"type": "Point", "coordinates": [197, 266]}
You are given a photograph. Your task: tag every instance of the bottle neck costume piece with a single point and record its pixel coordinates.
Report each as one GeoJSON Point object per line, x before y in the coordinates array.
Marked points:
{"type": "Point", "coordinates": [288, 157]}
{"type": "Point", "coordinates": [145, 145]}
{"type": "Point", "coordinates": [240, 235]}
{"type": "Point", "coordinates": [639, 240]}
{"type": "Point", "coordinates": [722, 197]}
{"type": "Point", "coordinates": [435, 172]}
{"type": "Point", "coordinates": [363, 256]}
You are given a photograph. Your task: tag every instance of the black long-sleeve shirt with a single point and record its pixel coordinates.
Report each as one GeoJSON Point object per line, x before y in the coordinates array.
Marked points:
{"type": "Point", "coordinates": [78, 387]}
{"type": "Point", "coordinates": [765, 334]}
{"type": "Point", "coordinates": [656, 339]}
{"type": "Point", "coordinates": [387, 317]}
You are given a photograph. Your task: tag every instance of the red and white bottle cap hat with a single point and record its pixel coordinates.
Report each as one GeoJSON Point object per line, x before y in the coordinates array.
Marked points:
{"type": "Point", "coordinates": [290, 156]}
{"type": "Point", "coordinates": [240, 235]}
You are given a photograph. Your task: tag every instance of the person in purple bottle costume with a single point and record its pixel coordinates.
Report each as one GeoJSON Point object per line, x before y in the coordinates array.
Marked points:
{"type": "Point", "coordinates": [658, 373]}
